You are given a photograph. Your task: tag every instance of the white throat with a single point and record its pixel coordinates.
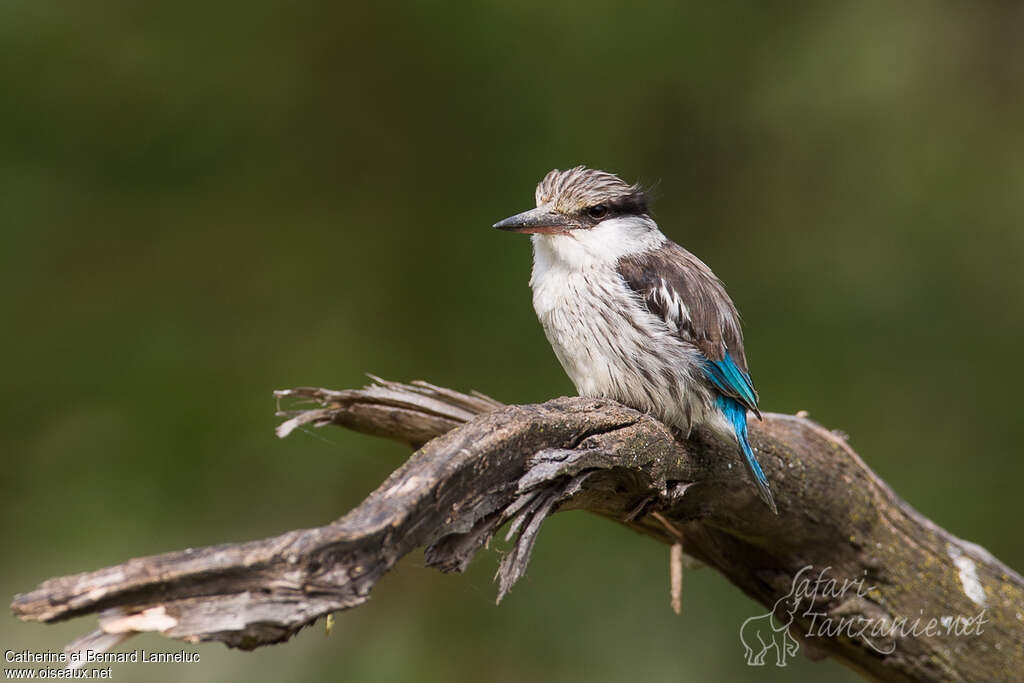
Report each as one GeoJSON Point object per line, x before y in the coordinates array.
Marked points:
{"type": "Point", "coordinates": [602, 245]}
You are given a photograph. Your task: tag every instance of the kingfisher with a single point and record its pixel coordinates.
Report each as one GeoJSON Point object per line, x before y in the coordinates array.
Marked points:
{"type": "Point", "coordinates": [631, 315]}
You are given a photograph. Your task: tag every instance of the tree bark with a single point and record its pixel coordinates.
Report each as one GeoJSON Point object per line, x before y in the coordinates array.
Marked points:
{"type": "Point", "coordinates": [481, 464]}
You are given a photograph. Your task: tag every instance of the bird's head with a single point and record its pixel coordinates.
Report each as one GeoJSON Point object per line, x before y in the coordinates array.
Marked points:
{"type": "Point", "coordinates": [583, 209]}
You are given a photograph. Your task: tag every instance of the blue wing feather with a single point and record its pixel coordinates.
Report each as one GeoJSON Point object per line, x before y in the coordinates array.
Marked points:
{"type": "Point", "coordinates": [736, 397]}
{"type": "Point", "coordinates": [731, 381]}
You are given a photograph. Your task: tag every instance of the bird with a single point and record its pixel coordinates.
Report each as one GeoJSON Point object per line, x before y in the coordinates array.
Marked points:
{"type": "Point", "coordinates": [631, 315]}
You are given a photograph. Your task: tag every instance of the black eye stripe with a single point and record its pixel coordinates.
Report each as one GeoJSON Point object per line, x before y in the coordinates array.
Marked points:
{"type": "Point", "coordinates": [633, 205]}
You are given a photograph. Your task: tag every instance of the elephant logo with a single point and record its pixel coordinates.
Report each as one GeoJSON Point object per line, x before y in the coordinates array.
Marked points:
{"type": "Point", "coordinates": [760, 634]}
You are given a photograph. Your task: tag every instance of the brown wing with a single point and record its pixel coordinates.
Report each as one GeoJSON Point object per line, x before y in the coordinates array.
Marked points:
{"type": "Point", "coordinates": [680, 289]}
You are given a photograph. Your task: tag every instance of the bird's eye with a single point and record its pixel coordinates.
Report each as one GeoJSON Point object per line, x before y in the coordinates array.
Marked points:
{"type": "Point", "coordinates": [597, 211]}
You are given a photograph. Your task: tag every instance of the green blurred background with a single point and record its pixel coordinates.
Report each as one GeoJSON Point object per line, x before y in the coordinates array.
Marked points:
{"type": "Point", "coordinates": [202, 202]}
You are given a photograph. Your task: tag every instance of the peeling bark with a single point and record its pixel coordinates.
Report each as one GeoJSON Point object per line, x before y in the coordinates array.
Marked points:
{"type": "Point", "coordinates": [481, 465]}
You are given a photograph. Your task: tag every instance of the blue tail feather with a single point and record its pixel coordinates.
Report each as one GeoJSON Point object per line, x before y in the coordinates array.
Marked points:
{"type": "Point", "coordinates": [736, 413]}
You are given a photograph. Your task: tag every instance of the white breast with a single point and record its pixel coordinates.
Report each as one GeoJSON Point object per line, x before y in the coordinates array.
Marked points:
{"type": "Point", "coordinates": [609, 344]}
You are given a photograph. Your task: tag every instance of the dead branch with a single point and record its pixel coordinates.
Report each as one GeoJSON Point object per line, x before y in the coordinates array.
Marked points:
{"type": "Point", "coordinates": [483, 465]}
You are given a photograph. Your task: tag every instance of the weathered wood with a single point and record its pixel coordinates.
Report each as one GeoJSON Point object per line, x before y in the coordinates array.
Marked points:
{"type": "Point", "coordinates": [484, 464]}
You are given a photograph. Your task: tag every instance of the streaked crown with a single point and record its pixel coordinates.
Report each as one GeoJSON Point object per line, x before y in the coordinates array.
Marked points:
{"type": "Point", "coordinates": [572, 191]}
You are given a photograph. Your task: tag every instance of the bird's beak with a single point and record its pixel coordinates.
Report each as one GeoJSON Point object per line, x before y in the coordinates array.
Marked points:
{"type": "Point", "coordinates": [539, 220]}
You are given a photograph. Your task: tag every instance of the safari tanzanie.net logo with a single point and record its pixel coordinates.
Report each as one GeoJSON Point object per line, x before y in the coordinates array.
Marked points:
{"type": "Point", "coordinates": [841, 608]}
